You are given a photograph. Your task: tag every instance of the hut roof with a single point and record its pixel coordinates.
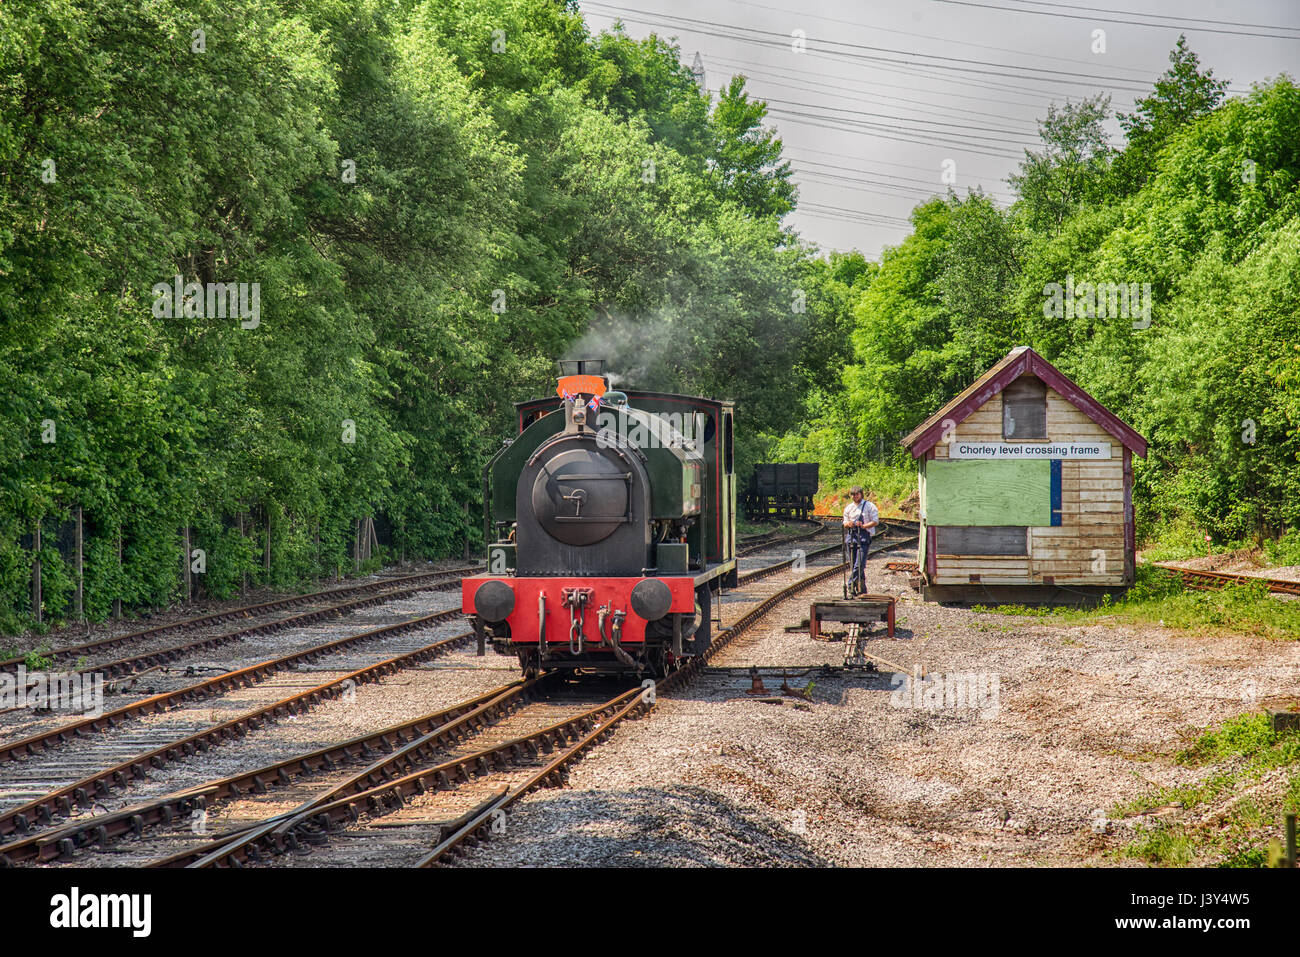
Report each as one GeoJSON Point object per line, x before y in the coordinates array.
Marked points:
{"type": "Point", "coordinates": [1021, 360]}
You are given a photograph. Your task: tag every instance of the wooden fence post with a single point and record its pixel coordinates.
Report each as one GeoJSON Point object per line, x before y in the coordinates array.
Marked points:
{"type": "Point", "coordinates": [36, 573]}
{"type": "Point", "coordinates": [81, 570]}
{"type": "Point", "coordinates": [117, 602]}
{"type": "Point", "coordinates": [185, 566]}
{"type": "Point", "coordinates": [243, 574]}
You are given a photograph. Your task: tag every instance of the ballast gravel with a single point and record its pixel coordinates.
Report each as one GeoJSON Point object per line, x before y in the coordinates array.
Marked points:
{"type": "Point", "coordinates": [1055, 725]}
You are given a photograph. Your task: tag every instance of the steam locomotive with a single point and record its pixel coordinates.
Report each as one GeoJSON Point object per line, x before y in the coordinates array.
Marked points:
{"type": "Point", "coordinates": [611, 523]}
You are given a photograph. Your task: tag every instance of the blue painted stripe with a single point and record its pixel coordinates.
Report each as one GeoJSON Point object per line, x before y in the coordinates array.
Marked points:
{"type": "Point", "coordinates": [1056, 491]}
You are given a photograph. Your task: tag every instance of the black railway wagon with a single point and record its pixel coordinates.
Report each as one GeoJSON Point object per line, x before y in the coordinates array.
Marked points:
{"type": "Point", "coordinates": [784, 488]}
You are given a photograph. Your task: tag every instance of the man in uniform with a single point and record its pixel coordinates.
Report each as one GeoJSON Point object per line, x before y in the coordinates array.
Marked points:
{"type": "Point", "coordinates": [860, 517]}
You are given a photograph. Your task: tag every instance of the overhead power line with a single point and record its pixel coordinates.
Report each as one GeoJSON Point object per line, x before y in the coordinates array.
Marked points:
{"type": "Point", "coordinates": [1033, 94]}
{"type": "Point", "coordinates": [876, 28]}
{"type": "Point", "coordinates": [851, 126]}
{"type": "Point", "coordinates": [859, 158]}
{"type": "Point", "coordinates": [861, 214]}
{"type": "Point", "coordinates": [1094, 16]}
{"type": "Point", "coordinates": [907, 119]}
{"type": "Point", "coordinates": [853, 220]}
{"type": "Point", "coordinates": [935, 183]}
{"type": "Point", "coordinates": [875, 53]}
{"type": "Point", "coordinates": [857, 94]}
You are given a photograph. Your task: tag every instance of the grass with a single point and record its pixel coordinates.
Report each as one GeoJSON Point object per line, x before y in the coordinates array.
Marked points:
{"type": "Point", "coordinates": [1180, 539]}
{"type": "Point", "coordinates": [1284, 550]}
{"type": "Point", "coordinates": [37, 659]}
{"type": "Point", "coordinates": [1230, 828]}
{"type": "Point", "coordinates": [744, 528]}
{"type": "Point", "coordinates": [891, 486]}
{"type": "Point", "coordinates": [1175, 541]}
{"type": "Point", "coordinates": [1158, 597]}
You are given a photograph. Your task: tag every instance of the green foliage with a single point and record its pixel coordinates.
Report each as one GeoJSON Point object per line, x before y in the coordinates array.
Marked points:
{"type": "Point", "coordinates": [905, 354]}
{"type": "Point", "coordinates": [1174, 540]}
{"type": "Point", "coordinates": [1180, 96]}
{"type": "Point", "coordinates": [977, 277]}
{"type": "Point", "coordinates": [748, 165]}
{"type": "Point", "coordinates": [647, 79]}
{"type": "Point", "coordinates": [435, 199]}
{"type": "Point", "coordinates": [1200, 213]}
{"type": "Point", "coordinates": [1284, 550]}
{"type": "Point", "coordinates": [888, 485]}
{"type": "Point", "coordinates": [1159, 597]}
{"type": "Point", "coordinates": [39, 658]}
{"type": "Point", "coordinates": [1248, 735]}
{"type": "Point", "coordinates": [1242, 756]}
{"type": "Point", "coordinates": [1071, 169]}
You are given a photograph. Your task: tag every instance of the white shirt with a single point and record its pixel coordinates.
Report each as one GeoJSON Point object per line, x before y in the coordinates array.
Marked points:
{"type": "Point", "coordinates": [862, 511]}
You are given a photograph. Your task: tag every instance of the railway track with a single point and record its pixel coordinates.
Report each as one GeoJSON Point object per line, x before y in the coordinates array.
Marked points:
{"type": "Point", "coordinates": [31, 725]}
{"type": "Point", "coordinates": [457, 837]}
{"type": "Point", "coordinates": [114, 750]}
{"type": "Point", "coordinates": [511, 763]}
{"type": "Point", "coordinates": [768, 541]}
{"type": "Point", "coordinates": [528, 733]}
{"type": "Point", "coordinates": [747, 540]}
{"type": "Point", "coordinates": [405, 584]}
{"type": "Point", "coordinates": [470, 761]}
{"type": "Point", "coordinates": [402, 808]}
{"type": "Point", "coordinates": [1194, 578]}
{"type": "Point", "coordinates": [99, 831]}
{"type": "Point", "coordinates": [16, 749]}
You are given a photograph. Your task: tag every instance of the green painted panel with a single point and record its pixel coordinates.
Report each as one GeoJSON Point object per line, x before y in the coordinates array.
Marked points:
{"type": "Point", "coordinates": [988, 493]}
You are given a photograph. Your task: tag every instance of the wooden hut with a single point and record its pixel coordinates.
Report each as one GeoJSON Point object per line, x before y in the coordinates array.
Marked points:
{"type": "Point", "coordinates": [1026, 486]}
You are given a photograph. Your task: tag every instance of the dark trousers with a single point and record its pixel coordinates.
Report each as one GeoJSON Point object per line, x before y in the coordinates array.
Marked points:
{"type": "Point", "coordinates": [858, 562]}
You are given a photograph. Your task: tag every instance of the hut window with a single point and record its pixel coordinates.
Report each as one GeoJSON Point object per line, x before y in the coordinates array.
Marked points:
{"type": "Point", "coordinates": [1024, 409]}
{"type": "Point", "coordinates": [982, 540]}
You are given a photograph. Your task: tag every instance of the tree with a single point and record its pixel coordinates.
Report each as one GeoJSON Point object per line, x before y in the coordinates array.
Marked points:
{"type": "Point", "coordinates": [1182, 94]}
{"type": "Point", "coordinates": [647, 79]}
{"type": "Point", "coordinates": [1070, 169]}
{"type": "Point", "coordinates": [747, 163]}
{"type": "Point", "coordinates": [905, 361]}
{"type": "Point", "coordinates": [977, 279]}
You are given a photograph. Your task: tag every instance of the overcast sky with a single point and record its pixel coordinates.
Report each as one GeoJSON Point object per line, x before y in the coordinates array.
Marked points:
{"type": "Point", "coordinates": [883, 93]}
